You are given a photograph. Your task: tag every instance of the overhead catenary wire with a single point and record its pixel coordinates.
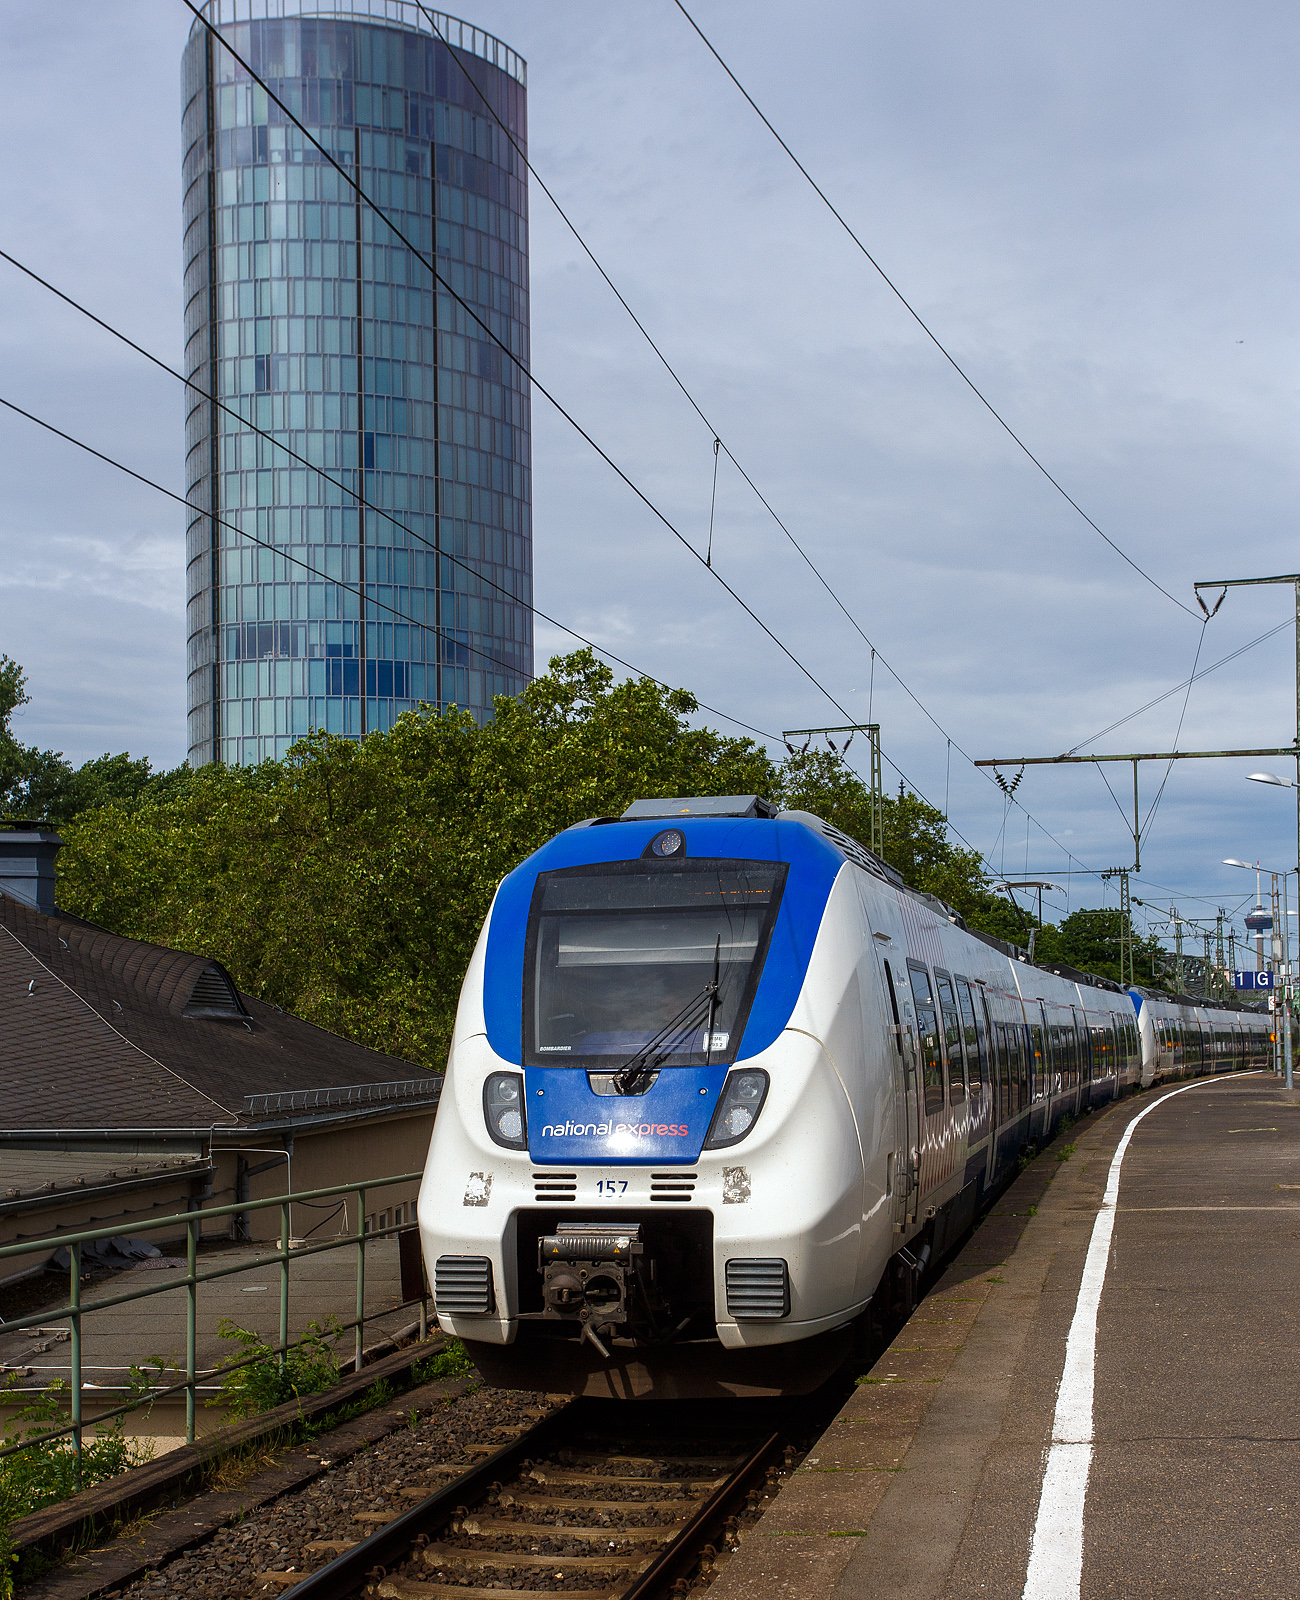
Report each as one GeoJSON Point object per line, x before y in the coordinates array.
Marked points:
{"type": "Point", "coordinates": [502, 345]}
{"type": "Point", "coordinates": [361, 500]}
{"type": "Point", "coordinates": [1168, 693]}
{"type": "Point", "coordinates": [431, 267]}
{"type": "Point", "coordinates": [1169, 766]}
{"type": "Point", "coordinates": [718, 442]}
{"type": "Point", "coordinates": [922, 324]}
{"type": "Point", "coordinates": [306, 566]}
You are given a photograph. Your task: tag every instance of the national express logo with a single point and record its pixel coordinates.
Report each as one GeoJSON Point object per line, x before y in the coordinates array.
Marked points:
{"type": "Point", "coordinates": [601, 1130]}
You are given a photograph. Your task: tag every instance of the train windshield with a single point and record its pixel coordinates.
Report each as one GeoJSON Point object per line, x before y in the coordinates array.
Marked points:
{"type": "Point", "coordinates": [623, 960]}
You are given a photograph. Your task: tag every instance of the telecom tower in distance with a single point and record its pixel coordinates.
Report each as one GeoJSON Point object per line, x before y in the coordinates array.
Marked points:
{"type": "Point", "coordinates": [309, 319]}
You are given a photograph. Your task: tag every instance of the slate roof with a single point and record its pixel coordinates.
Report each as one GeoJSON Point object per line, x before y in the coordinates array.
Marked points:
{"type": "Point", "coordinates": [94, 1035]}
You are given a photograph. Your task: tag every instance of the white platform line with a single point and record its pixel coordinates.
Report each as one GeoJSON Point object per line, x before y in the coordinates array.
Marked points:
{"type": "Point", "coordinates": [1056, 1554]}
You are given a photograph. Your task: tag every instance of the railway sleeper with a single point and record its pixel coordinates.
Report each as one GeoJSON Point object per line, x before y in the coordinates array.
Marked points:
{"type": "Point", "coordinates": [559, 1502]}
{"type": "Point", "coordinates": [446, 1555]}
{"type": "Point", "coordinates": [707, 1463]}
{"type": "Point", "coordinates": [490, 1527]}
{"type": "Point", "coordinates": [561, 1475]}
{"type": "Point", "coordinates": [413, 1589]}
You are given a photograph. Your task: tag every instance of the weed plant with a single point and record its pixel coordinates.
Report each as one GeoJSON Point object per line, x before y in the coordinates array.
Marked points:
{"type": "Point", "coordinates": [310, 1367]}
{"type": "Point", "coordinates": [450, 1362]}
{"type": "Point", "coordinates": [45, 1471]}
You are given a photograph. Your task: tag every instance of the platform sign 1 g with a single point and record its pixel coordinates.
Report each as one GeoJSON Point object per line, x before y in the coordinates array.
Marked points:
{"type": "Point", "coordinates": [1252, 980]}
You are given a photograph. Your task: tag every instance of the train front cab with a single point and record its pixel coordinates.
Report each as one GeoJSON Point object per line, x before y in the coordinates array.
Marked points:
{"type": "Point", "coordinates": [755, 1242]}
{"type": "Point", "coordinates": [1182, 1040]}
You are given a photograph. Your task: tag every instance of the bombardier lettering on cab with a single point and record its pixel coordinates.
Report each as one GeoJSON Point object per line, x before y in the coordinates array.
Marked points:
{"type": "Point", "coordinates": [572, 1130]}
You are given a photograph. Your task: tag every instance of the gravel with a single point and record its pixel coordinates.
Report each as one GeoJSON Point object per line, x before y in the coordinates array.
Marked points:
{"type": "Point", "coordinates": [274, 1537]}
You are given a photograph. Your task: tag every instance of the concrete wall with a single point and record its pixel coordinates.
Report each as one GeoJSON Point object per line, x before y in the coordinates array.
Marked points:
{"type": "Point", "coordinates": [126, 1209]}
{"type": "Point", "coordinates": [342, 1153]}
{"type": "Point", "coordinates": [350, 1153]}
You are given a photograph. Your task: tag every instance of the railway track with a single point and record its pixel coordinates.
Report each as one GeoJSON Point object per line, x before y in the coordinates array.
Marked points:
{"type": "Point", "coordinates": [586, 1502]}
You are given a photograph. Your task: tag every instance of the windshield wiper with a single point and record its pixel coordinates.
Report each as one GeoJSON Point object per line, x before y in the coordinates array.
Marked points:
{"type": "Point", "coordinates": [628, 1080]}
{"type": "Point", "coordinates": [711, 990]}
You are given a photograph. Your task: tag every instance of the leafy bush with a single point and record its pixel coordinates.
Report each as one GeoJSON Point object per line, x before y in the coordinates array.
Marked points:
{"type": "Point", "coordinates": [310, 1367]}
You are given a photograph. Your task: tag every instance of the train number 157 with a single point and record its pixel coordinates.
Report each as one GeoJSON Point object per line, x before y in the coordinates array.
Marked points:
{"type": "Point", "coordinates": [609, 1187]}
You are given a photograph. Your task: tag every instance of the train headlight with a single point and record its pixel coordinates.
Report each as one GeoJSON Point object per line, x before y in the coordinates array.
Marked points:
{"type": "Point", "coordinates": [739, 1104]}
{"type": "Point", "coordinates": [503, 1110]}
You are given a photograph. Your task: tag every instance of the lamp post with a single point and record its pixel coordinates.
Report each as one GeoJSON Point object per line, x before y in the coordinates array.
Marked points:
{"type": "Point", "coordinates": [1284, 919]}
{"type": "Point", "coordinates": [1276, 782]}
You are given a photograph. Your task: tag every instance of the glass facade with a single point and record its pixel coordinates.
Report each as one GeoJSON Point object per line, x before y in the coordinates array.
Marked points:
{"type": "Point", "coordinates": [394, 448]}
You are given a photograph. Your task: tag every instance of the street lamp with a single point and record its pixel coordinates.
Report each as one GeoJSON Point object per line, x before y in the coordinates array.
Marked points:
{"type": "Point", "coordinates": [1274, 781]}
{"type": "Point", "coordinates": [1231, 861]}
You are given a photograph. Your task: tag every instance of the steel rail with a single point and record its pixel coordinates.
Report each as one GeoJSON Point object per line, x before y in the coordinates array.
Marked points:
{"type": "Point", "coordinates": [706, 1527]}
{"type": "Point", "coordinates": [395, 1541]}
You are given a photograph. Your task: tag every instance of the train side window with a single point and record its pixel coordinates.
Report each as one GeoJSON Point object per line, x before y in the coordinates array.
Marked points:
{"type": "Point", "coordinates": [927, 1027]}
{"type": "Point", "coordinates": [952, 1039]}
{"type": "Point", "coordinates": [974, 1066]}
{"type": "Point", "coordinates": [893, 1005]}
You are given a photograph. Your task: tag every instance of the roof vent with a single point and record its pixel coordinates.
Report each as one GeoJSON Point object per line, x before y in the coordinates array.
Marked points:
{"type": "Point", "coordinates": [214, 995]}
{"type": "Point", "coordinates": [711, 805]}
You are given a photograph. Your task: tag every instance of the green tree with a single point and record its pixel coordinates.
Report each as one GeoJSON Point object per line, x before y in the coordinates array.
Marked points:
{"type": "Point", "coordinates": [1090, 940]}
{"type": "Point", "coordinates": [44, 786]}
{"type": "Point", "coordinates": [349, 881]}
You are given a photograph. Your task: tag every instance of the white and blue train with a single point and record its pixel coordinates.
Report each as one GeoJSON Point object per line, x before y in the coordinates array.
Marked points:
{"type": "Point", "coordinates": [719, 1078]}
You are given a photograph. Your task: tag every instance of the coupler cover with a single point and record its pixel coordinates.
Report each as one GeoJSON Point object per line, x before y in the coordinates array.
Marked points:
{"type": "Point", "coordinates": [587, 1270]}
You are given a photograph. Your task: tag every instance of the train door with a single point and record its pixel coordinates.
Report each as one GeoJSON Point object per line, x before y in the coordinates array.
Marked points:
{"type": "Point", "coordinates": [976, 1048]}
{"type": "Point", "coordinates": [906, 1160]}
{"type": "Point", "coordinates": [1082, 1060]}
{"type": "Point", "coordinates": [1039, 1068]}
{"type": "Point", "coordinates": [952, 1036]}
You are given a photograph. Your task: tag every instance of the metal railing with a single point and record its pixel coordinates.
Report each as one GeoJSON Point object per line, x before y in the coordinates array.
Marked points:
{"type": "Point", "coordinates": [190, 1222]}
{"type": "Point", "coordinates": [404, 13]}
{"type": "Point", "coordinates": [265, 1105]}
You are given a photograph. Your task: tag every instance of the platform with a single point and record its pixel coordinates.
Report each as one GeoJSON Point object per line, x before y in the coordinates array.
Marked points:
{"type": "Point", "coordinates": [1170, 1445]}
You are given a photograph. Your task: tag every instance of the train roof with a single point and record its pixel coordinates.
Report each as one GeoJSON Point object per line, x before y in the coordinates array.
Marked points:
{"type": "Point", "coordinates": [1201, 1002]}
{"type": "Point", "coordinates": [850, 849]}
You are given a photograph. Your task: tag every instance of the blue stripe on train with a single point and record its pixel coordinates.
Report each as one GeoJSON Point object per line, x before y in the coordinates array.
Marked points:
{"type": "Point", "coordinates": [814, 866]}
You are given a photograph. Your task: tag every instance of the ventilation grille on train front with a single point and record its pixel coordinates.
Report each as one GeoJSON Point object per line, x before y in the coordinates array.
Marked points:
{"type": "Point", "coordinates": [672, 1186]}
{"type": "Point", "coordinates": [462, 1286]}
{"type": "Point", "coordinates": [758, 1290]}
{"type": "Point", "coordinates": [553, 1186]}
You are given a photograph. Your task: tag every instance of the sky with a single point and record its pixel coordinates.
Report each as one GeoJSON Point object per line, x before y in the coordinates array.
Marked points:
{"type": "Point", "coordinates": [1093, 209]}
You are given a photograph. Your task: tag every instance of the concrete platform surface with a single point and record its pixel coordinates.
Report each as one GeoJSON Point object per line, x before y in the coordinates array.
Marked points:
{"type": "Point", "coordinates": [1169, 1443]}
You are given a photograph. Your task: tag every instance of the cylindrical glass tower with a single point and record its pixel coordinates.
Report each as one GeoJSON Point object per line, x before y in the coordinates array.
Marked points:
{"type": "Point", "coordinates": [308, 319]}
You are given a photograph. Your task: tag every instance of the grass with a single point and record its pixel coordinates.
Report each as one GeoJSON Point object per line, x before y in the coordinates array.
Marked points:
{"type": "Point", "coordinates": [450, 1362]}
